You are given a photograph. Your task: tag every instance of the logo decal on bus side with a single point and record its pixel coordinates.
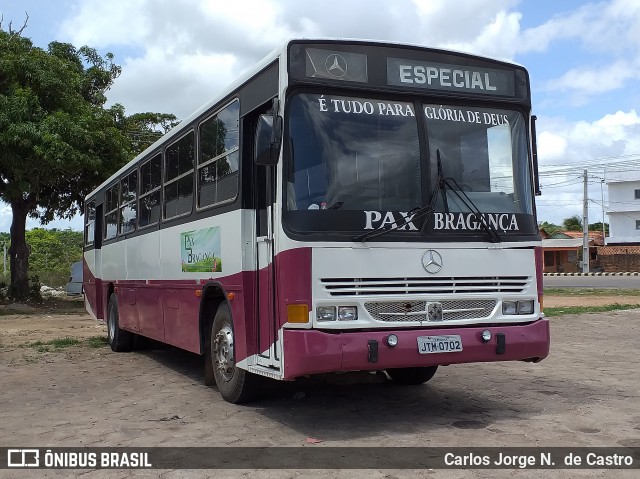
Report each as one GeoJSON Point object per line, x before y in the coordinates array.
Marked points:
{"type": "Point", "coordinates": [200, 250]}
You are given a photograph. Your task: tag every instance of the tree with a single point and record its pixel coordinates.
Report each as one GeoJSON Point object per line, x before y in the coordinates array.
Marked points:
{"type": "Point", "coordinates": [143, 129]}
{"type": "Point", "coordinates": [597, 226]}
{"type": "Point", "coordinates": [550, 228]}
{"type": "Point", "coordinates": [53, 250]}
{"type": "Point", "coordinates": [57, 142]}
{"type": "Point", "coordinates": [573, 223]}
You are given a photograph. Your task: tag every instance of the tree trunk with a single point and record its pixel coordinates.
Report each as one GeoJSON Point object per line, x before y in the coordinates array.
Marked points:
{"type": "Point", "coordinates": [19, 252]}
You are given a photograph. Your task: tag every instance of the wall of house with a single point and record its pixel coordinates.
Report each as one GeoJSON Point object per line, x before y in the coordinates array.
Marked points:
{"type": "Point", "coordinates": [619, 259]}
{"type": "Point", "coordinates": [624, 211]}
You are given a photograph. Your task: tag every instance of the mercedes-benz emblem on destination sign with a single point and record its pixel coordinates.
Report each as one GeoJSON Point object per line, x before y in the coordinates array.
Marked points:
{"type": "Point", "coordinates": [432, 261]}
{"type": "Point", "coordinates": [336, 65]}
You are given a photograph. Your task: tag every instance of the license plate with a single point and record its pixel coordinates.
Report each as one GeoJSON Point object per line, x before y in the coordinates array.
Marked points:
{"type": "Point", "coordinates": [439, 344]}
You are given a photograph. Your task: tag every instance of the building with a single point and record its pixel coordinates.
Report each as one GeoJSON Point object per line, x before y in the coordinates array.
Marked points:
{"type": "Point", "coordinates": [624, 208]}
{"type": "Point", "coordinates": [622, 250]}
{"type": "Point", "coordinates": [562, 251]}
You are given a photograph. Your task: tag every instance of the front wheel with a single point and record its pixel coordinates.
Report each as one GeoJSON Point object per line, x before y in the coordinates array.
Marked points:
{"type": "Point", "coordinates": [235, 385]}
{"type": "Point", "coordinates": [412, 376]}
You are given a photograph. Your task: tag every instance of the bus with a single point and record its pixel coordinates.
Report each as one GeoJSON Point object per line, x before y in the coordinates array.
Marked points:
{"type": "Point", "coordinates": [344, 206]}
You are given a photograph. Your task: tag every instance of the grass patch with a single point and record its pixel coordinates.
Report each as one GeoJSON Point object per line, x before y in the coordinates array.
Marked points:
{"type": "Point", "coordinates": [590, 292]}
{"type": "Point", "coordinates": [44, 346]}
{"type": "Point", "coordinates": [97, 341]}
{"type": "Point", "coordinates": [60, 343]}
{"type": "Point", "coordinates": [588, 309]}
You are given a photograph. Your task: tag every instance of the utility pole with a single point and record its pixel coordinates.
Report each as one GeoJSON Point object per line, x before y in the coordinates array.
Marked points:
{"type": "Point", "coordinates": [602, 194]}
{"type": "Point", "coordinates": [585, 227]}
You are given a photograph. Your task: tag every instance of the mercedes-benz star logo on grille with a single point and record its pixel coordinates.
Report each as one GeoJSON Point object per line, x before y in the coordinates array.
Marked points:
{"type": "Point", "coordinates": [336, 65]}
{"type": "Point", "coordinates": [432, 261]}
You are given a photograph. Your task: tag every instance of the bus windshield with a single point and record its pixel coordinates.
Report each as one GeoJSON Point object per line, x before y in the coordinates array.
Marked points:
{"type": "Point", "coordinates": [356, 154]}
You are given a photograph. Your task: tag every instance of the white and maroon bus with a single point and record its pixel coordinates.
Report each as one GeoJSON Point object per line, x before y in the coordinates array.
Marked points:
{"type": "Point", "coordinates": [345, 206]}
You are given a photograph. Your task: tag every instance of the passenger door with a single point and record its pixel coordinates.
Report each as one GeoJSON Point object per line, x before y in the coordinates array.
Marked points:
{"type": "Point", "coordinates": [264, 199]}
{"type": "Point", "coordinates": [265, 266]}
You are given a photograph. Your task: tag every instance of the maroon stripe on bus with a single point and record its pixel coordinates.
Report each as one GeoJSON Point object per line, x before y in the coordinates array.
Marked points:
{"type": "Point", "coordinates": [168, 310]}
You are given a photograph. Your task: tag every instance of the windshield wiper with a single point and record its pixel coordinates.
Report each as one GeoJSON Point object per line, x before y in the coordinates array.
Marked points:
{"type": "Point", "coordinates": [442, 185]}
{"type": "Point", "coordinates": [445, 184]}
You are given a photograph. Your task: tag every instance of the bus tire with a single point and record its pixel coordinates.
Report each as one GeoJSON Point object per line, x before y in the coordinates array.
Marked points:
{"type": "Point", "coordinates": [234, 384]}
{"type": "Point", "coordinates": [119, 339]}
{"type": "Point", "coordinates": [412, 376]}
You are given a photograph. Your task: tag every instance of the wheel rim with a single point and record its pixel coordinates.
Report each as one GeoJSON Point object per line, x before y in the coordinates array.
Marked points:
{"type": "Point", "coordinates": [112, 325]}
{"type": "Point", "coordinates": [223, 353]}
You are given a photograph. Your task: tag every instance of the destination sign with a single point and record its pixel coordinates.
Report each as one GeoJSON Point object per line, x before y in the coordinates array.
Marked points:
{"type": "Point", "coordinates": [442, 76]}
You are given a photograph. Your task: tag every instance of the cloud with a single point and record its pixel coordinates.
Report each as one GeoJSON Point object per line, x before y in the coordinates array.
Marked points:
{"type": "Point", "coordinates": [586, 82]}
{"type": "Point", "coordinates": [498, 39]}
{"type": "Point", "coordinates": [607, 32]}
{"type": "Point", "coordinates": [181, 54]}
{"type": "Point", "coordinates": [185, 52]}
{"type": "Point", "coordinates": [607, 146]}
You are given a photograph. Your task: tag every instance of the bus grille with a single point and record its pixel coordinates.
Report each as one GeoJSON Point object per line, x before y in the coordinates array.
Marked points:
{"type": "Point", "coordinates": [405, 311]}
{"type": "Point", "coordinates": [451, 285]}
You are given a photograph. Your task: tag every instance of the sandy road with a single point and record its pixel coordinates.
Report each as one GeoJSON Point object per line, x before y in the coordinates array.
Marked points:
{"type": "Point", "coordinates": [586, 393]}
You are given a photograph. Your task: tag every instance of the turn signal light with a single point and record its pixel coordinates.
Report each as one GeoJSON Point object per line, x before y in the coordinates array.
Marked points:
{"type": "Point", "coordinates": [297, 313]}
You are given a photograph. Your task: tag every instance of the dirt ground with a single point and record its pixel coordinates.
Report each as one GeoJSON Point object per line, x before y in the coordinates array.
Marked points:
{"type": "Point", "coordinates": [586, 393]}
{"type": "Point", "coordinates": [562, 301]}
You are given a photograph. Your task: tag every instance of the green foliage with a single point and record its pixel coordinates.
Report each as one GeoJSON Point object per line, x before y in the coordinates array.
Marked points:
{"type": "Point", "coordinates": [143, 129]}
{"type": "Point", "coordinates": [591, 292]}
{"type": "Point", "coordinates": [97, 341]}
{"type": "Point", "coordinates": [51, 254]}
{"type": "Point", "coordinates": [53, 250]}
{"type": "Point", "coordinates": [588, 309]}
{"type": "Point", "coordinates": [573, 223]}
{"type": "Point", "coordinates": [57, 141]}
{"type": "Point", "coordinates": [56, 343]}
{"type": "Point", "coordinates": [550, 228]}
{"type": "Point", "coordinates": [598, 227]}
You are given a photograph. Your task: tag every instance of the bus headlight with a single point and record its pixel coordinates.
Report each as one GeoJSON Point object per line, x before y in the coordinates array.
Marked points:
{"type": "Point", "coordinates": [525, 307]}
{"type": "Point", "coordinates": [509, 307]}
{"type": "Point", "coordinates": [517, 307]}
{"type": "Point", "coordinates": [326, 313]}
{"type": "Point", "coordinates": [347, 313]}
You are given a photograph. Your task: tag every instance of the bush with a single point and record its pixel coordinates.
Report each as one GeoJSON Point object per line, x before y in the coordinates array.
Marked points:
{"type": "Point", "coordinates": [34, 289]}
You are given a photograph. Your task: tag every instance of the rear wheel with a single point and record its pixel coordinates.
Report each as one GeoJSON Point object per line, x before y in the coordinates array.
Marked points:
{"type": "Point", "coordinates": [119, 339]}
{"type": "Point", "coordinates": [412, 376]}
{"type": "Point", "coordinates": [235, 385]}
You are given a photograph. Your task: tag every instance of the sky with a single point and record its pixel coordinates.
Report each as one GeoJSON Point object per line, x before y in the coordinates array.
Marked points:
{"type": "Point", "coordinates": [583, 59]}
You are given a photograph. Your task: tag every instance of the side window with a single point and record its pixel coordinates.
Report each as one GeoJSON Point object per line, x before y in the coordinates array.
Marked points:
{"type": "Point", "coordinates": [178, 180]}
{"type": "Point", "coordinates": [150, 182]}
{"type": "Point", "coordinates": [90, 223]}
{"type": "Point", "coordinates": [111, 212]}
{"type": "Point", "coordinates": [128, 208]}
{"type": "Point", "coordinates": [218, 157]}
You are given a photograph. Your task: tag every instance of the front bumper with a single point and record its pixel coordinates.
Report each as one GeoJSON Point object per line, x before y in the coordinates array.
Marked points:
{"type": "Point", "coordinates": [313, 351]}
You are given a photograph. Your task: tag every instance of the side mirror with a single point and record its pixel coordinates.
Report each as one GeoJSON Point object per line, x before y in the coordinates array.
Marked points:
{"type": "Point", "coordinates": [268, 140]}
